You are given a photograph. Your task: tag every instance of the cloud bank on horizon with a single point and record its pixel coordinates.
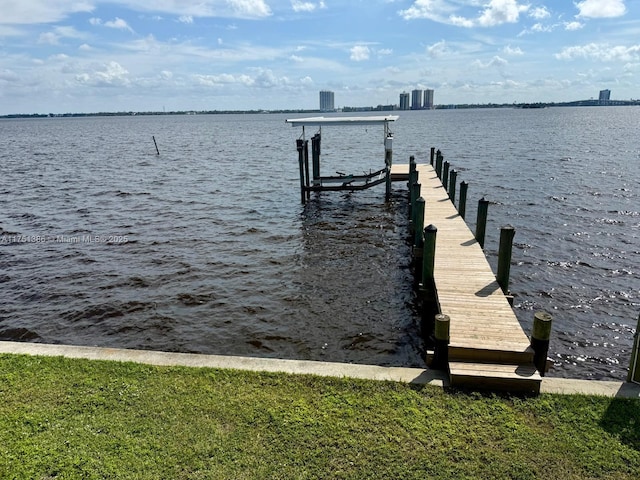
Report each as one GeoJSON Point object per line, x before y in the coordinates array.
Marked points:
{"type": "Point", "coordinates": [138, 55]}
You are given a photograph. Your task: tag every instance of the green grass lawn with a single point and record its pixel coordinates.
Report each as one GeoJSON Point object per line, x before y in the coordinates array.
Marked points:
{"type": "Point", "coordinates": [63, 418]}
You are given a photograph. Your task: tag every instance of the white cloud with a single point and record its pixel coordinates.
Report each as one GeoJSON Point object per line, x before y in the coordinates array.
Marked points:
{"type": "Point", "coordinates": [360, 53]}
{"type": "Point", "coordinates": [509, 50]}
{"type": "Point", "coordinates": [495, 12]}
{"type": "Point", "coordinates": [438, 49]}
{"type": "Point", "coordinates": [299, 6]}
{"type": "Point", "coordinates": [539, 13]}
{"type": "Point", "coordinates": [50, 11]}
{"type": "Point", "coordinates": [601, 8]}
{"type": "Point", "coordinates": [107, 75]}
{"type": "Point", "coordinates": [263, 78]}
{"type": "Point", "coordinates": [118, 24]}
{"type": "Point", "coordinates": [575, 25]}
{"type": "Point", "coordinates": [188, 19]}
{"type": "Point", "coordinates": [501, 11]}
{"type": "Point", "coordinates": [53, 37]}
{"type": "Point", "coordinates": [600, 52]}
{"type": "Point", "coordinates": [494, 62]}
{"type": "Point", "coordinates": [41, 11]}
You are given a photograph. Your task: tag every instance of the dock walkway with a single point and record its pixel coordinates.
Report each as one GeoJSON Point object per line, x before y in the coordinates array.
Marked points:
{"type": "Point", "coordinates": [488, 347]}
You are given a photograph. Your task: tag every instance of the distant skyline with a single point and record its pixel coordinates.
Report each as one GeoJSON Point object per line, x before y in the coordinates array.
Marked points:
{"type": "Point", "coordinates": [59, 56]}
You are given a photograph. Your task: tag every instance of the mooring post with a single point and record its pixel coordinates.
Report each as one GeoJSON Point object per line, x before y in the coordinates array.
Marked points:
{"type": "Point", "coordinates": [306, 168]}
{"type": "Point", "coordinates": [439, 161]}
{"type": "Point", "coordinates": [445, 174]}
{"type": "Point", "coordinates": [433, 153]}
{"type": "Point", "coordinates": [388, 160]}
{"type": "Point", "coordinates": [634, 365]}
{"type": "Point", "coordinates": [415, 195]}
{"type": "Point", "coordinates": [481, 222]}
{"type": "Point", "coordinates": [315, 155]}
{"type": "Point", "coordinates": [418, 240]}
{"type": "Point", "coordinates": [504, 257]}
{"type": "Point", "coordinates": [300, 148]}
{"type": "Point", "coordinates": [441, 348]}
{"type": "Point", "coordinates": [412, 173]}
{"type": "Point", "coordinates": [154, 142]}
{"type": "Point", "coordinates": [429, 253]}
{"type": "Point", "coordinates": [427, 285]}
{"type": "Point", "coordinates": [540, 340]}
{"type": "Point", "coordinates": [453, 178]}
{"type": "Point", "coordinates": [462, 205]}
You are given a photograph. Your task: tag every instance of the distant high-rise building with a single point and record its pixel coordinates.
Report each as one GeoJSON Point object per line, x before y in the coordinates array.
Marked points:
{"type": "Point", "coordinates": [428, 99]}
{"type": "Point", "coordinates": [605, 96]}
{"type": "Point", "coordinates": [327, 101]}
{"type": "Point", "coordinates": [404, 101]}
{"type": "Point", "coordinates": [416, 99]}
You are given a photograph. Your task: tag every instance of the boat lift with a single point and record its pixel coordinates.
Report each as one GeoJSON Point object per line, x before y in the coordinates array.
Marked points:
{"type": "Point", "coordinates": [319, 183]}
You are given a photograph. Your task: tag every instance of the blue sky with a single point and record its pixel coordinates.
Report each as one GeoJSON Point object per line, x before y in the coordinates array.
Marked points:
{"type": "Point", "coordinates": [136, 55]}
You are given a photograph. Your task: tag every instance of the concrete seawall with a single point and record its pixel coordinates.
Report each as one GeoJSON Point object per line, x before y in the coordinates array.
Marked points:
{"type": "Point", "coordinates": [303, 367]}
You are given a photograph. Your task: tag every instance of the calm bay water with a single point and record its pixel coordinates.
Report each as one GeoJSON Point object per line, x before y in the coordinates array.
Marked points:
{"type": "Point", "coordinates": [207, 249]}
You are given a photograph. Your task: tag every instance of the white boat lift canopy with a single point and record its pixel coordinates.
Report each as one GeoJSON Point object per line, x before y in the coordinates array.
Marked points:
{"type": "Point", "coordinates": [362, 120]}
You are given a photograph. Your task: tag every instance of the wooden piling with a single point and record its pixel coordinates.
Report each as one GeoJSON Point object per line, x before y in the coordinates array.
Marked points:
{"type": "Point", "coordinates": [481, 222]}
{"type": "Point", "coordinates": [439, 160]}
{"type": "Point", "coordinates": [462, 202]}
{"type": "Point", "coordinates": [540, 335]}
{"type": "Point", "coordinates": [445, 175]}
{"type": "Point", "coordinates": [315, 156]}
{"type": "Point", "coordinates": [634, 365]}
{"type": "Point", "coordinates": [415, 195]}
{"type": "Point", "coordinates": [418, 240]}
{"type": "Point", "coordinates": [429, 253]}
{"type": "Point", "coordinates": [154, 142]}
{"type": "Point", "coordinates": [413, 175]}
{"type": "Point", "coordinates": [453, 178]}
{"type": "Point", "coordinates": [504, 257]}
{"type": "Point", "coordinates": [433, 152]}
{"type": "Point", "coordinates": [300, 148]}
{"type": "Point", "coordinates": [441, 348]}
{"type": "Point", "coordinates": [388, 160]}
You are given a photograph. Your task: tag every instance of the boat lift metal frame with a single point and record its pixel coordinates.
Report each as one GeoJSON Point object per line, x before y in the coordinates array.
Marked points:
{"type": "Point", "coordinates": [319, 183]}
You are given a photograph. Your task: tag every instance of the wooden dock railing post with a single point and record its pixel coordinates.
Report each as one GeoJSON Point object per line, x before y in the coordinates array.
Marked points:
{"type": "Point", "coordinates": [481, 222]}
{"type": "Point", "coordinates": [441, 347]}
{"type": "Point", "coordinates": [462, 205]}
{"type": "Point", "coordinates": [439, 160]}
{"type": "Point", "coordinates": [540, 340]}
{"type": "Point", "coordinates": [634, 365]}
{"type": "Point", "coordinates": [504, 257]}
{"type": "Point", "coordinates": [453, 178]}
{"type": "Point", "coordinates": [433, 152]}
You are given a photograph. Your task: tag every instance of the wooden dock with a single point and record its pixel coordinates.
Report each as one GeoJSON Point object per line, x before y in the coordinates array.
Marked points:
{"type": "Point", "coordinates": [487, 348]}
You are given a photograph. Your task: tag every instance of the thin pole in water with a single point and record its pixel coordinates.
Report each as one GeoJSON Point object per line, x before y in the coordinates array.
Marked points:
{"type": "Point", "coordinates": [154, 142]}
